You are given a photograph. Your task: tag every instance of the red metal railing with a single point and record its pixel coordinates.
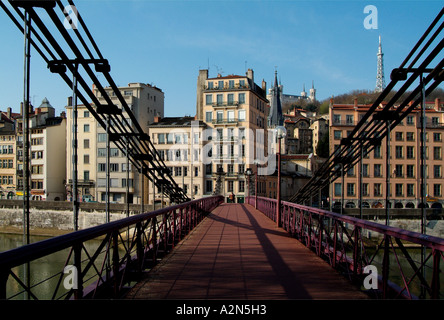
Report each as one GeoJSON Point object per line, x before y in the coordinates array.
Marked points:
{"type": "Point", "coordinates": [122, 250]}
{"type": "Point", "coordinates": [407, 263]}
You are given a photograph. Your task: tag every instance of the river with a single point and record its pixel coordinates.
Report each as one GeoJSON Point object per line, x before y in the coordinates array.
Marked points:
{"type": "Point", "coordinates": [42, 268]}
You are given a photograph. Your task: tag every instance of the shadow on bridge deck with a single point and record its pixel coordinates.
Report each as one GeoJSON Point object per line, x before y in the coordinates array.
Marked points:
{"type": "Point", "coordinates": [238, 253]}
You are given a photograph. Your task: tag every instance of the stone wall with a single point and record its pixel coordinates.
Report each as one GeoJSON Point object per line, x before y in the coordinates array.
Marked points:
{"type": "Point", "coordinates": [59, 215]}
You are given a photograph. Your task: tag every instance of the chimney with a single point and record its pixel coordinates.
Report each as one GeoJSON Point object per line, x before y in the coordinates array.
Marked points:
{"type": "Point", "coordinates": [250, 74]}
{"type": "Point", "coordinates": [9, 113]}
{"type": "Point", "coordinates": [157, 119]}
{"type": "Point", "coordinates": [264, 85]}
{"type": "Point", "coordinates": [355, 103]}
{"type": "Point", "coordinates": [437, 105]}
{"type": "Point", "coordinates": [69, 101]}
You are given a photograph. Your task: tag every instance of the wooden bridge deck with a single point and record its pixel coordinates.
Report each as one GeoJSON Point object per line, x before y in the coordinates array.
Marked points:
{"type": "Point", "coordinates": [238, 253]}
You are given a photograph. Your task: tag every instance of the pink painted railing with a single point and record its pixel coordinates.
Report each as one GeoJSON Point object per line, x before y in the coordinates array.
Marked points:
{"type": "Point", "coordinates": [407, 263]}
{"type": "Point", "coordinates": [122, 250]}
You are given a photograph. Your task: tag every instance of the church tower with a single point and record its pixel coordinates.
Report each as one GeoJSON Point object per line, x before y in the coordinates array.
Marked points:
{"type": "Point", "coordinates": [312, 92]}
{"type": "Point", "coordinates": [275, 117]}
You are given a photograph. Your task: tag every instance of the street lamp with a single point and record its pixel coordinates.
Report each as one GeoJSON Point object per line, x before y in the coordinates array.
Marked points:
{"type": "Point", "coordinates": [248, 173]}
{"type": "Point", "coordinates": [281, 132]}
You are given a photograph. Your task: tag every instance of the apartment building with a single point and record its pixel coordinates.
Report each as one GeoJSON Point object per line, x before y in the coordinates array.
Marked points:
{"type": "Point", "coordinates": [236, 110]}
{"type": "Point", "coordinates": [8, 174]}
{"type": "Point", "coordinates": [404, 160]}
{"type": "Point", "coordinates": [180, 145]}
{"type": "Point", "coordinates": [47, 136]}
{"type": "Point", "coordinates": [146, 102]}
{"type": "Point", "coordinates": [86, 154]}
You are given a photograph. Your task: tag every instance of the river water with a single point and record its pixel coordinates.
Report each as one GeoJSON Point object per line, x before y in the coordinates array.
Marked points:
{"type": "Point", "coordinates": [42, 268]}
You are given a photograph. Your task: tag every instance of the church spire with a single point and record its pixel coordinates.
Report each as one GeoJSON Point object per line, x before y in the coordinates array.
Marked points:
{"type": "Point", "coordinates": [275, 118]}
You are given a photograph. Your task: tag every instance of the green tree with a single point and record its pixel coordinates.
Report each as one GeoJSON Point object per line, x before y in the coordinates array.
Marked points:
{"type": "Point", "coordinates": [323, 147]}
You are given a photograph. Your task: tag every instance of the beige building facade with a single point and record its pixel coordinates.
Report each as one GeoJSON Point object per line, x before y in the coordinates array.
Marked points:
{"type": "Point", "coordinates": [405, 162]}
{"type": "Point", "coordinates": [236, 109]}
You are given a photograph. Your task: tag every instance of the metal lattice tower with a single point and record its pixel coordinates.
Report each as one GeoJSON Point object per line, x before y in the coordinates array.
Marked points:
{"type": "Point", "coordinates": [380, 81]}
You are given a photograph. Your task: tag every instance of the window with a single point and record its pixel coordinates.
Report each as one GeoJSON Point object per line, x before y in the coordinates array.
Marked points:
{"type": "Point", "coordinates": [350, 189]}
{"type": "Point", "coordinates": [398, 190]}
{"type": "Point", "coordinates": [410, 171]}
{"type": "Point", "coordinates": [209, 99]}
{"type": "Point", "coordinates": [377, 170]}
{"type": "Point", "coordinates": [230, 186]}
{"type": "Point", "coordinates": [230, 115]}
{"type": "Point", "coordinates": [365, 189]}
{"type": "Point", "coordinates": [377, 191]}
{"type": "Point", "coordinates": [377, 152]}
{"type": "Point", "coordinates": [101, 137]}
{"type": "Point", "coordinates": [86, 144]}
{"type": "Point", "coordinates": [437, 171]}
{"type": "Point", "coordinates": [337, 118]}
{"type": "Point", "coordinates": [338, 189]}
{"type": "Point", "coordinates": [410, 120]}
{"type": "Point", "coordinates": [86, 159]}
{"type": "Point", "coordinates": [86, 128]}
{"type": "Point", "coordinates": [220, 99]}
{"type": "Point", "coordinates": [209, 186]}
{"type": "Point", "coordinates": [170, 137]}
{"type": "Point", "coordinates": [399, 136]}
{"type": "Point", "coordinates": [410, 153]}
{"type": "Point", "coordinates": [101, 152]}
{"type": "Point", "coordinates": [241, 115]}
{"type": "Point", "coordinates": [208, 116]}
{"type": "Point", "coordinates": [365, 170]}
{"type": "Point", "coordinates": [241, 186]}
{"type": "Point", "coordinates": [220, 116]}
{"type": "Point", "coordinates": [410, 190]}
{"type": "Point", "coordinates": [437, 153]}
{"type": "Point", "coordinates": [231, 84]}
{"type": "Point", "coordinates": [86, 175]}
{"type": "Point", "coordinates": [410, 136]}
{"type": "Point", "coordinates": [161, 138]}
{"type": "Point", "coordinates": [130, 184]}
{"type": "Point", "coordinates": [337, 134]}
{"type": "Point", "coordinates": [230, 99]}
{"type": "Point", "coordinates": [114, 167]}
{"type": "Point", "coordinates": [398, 171]}
{"type": "Point", "coordinates": [398, 152]}
{"type": "Point", "coordinates": [220, 84]}
{"type": "Point", "coordinates": [437, 137]}
{"type": "Point", "coordinates": [86, 114]}
{"type": "Point", "coordinates": [113, 152]}
{"type": "Point", "coordinates": [210, 85]}
{"type": "Point", "coordinates": [349, 119]}
{"type": "Point", "coordinates": [437, 190]}
{"type": "Point", "coordinates": [241, 97]}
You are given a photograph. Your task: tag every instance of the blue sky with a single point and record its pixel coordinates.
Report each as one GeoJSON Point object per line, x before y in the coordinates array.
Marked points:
{"type": "Point", "coordinates": [165, 43]}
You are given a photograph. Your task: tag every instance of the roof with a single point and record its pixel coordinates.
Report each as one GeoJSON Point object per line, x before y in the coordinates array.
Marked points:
{"type": "Point", "coordinates": [232, 76]}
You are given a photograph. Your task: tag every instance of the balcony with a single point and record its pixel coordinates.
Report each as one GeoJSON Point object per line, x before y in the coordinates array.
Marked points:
{"type": "Point", "coordinates": [83, 183]}
{"type": "Point", "coordinates": [342, 123]}
{"type": "Point", "coordinates": [225, 121]}
{"type": "Point", "coordinates": [226, 86]}
{"type": "Point", "coordinates": [226, 104]}
{"type": "Point", "coordinates": [434, 125]}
